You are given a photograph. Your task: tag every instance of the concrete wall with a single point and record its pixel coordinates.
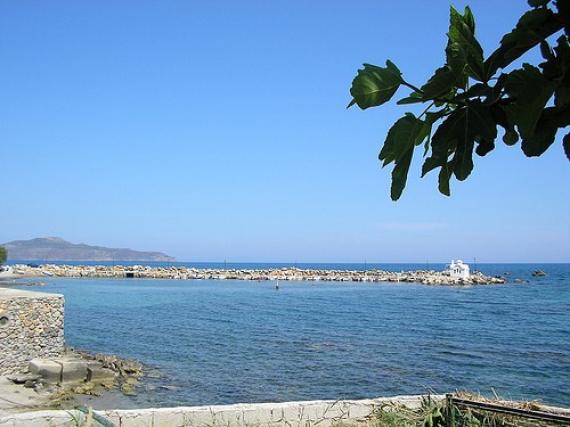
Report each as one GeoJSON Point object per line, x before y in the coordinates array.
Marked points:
{"type": "Point", "coordinates": [321, 413]}
{"type": "Point", "coordinates": [31, 325]}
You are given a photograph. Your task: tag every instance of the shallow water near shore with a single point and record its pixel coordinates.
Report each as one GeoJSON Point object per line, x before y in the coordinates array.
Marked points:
{"type": "Point", "coordinates": [214, 342]}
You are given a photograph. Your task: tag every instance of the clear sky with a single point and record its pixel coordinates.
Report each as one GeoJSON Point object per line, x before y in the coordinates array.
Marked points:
{"type": "Point", "coordinates": [212, 130]}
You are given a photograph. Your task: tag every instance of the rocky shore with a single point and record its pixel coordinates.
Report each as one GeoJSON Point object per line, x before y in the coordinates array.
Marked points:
{"type": "Point", "coordinates": [72, 379]}
{"type": "Point", "coordinates": [426, 277]}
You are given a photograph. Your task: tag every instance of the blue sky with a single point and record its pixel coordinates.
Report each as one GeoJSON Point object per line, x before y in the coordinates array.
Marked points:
{"type": "Point", "coordinates": [214, 130]}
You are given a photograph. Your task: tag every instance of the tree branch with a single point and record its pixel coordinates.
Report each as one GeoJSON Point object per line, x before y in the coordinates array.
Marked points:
{"type": "Point", "coordinates": [411, 86]}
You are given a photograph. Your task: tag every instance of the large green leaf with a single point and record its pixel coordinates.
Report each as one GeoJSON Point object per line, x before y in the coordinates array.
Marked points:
{"type": "Point", "coordinates": [375, 85]}
{"type": "Point", "coordinates": [563, 7]}
{"type": "Point", "coordinates": [444, 140]}
{"type": "Point", "coordinates": [462, 33]}
{"type": "Point", "coordinates": [463, 160]}
{"type": "Point", "coordinates": [457, 61]}
{"type": "Point", "coordinates": [551, 119]}
{"type": "Point", "coordinates": [400, 174]}
{"type": "Point", "coordinates": [542, 138]}
{"type": "Point", "coordinates": [477, 90]}
{"type": "Point", "coordinates": [557, 68]}
{"type": "Point", "coordinates": [479, 127]}
{"type": "Point", "coordinates": [542, 123]}
{"type": "Point", "coordinates": [469, 19]}
{"type": "Point", "coordinates": [499, 114]}
{"type": "Point", "coordinates": [431, 118]}
{"type": "Point", "coordinates": [440, 83]}
{"type": "Point", "coordinates": [530, 91]}
{"type": "Point", "coordinates": [538, 3]}
{"type": "Point", "coordinates": [404, 135]}
{"type": "Point", "coordinates": [464, 57]}
{"type": "Point", "coordinates": [457, 135]}
{"type": "Point", "coordinates": [533, 27]}
{"type": "Point", "coordinates": [546, 50]}
{"type": "Point", "coordinates": [402, 138]}
{"type": "Point", "coordinates": [431, 163]}
{"type": "Point", "coordinates": [566, 144]}
{"type": "Point", "coordinates": [557, 60]}
{"type": "Point", "coordinates": [443, 179]}
{"type": "Point", "coordinates": [562, 93]}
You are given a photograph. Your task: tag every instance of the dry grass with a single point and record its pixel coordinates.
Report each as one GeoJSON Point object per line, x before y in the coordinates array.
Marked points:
{"type": "Point", "coordinates": [433, 414]}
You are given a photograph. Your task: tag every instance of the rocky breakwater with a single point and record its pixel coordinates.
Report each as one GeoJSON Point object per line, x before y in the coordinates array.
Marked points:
{"type": "Point", "coordinates": [427, 277]}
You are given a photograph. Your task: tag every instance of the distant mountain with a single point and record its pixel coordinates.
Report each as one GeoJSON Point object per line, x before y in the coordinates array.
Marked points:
{"type": "Point", "coordinates": [56, 249]}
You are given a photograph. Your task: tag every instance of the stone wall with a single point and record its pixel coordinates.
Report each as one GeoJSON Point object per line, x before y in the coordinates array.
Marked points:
{"type": "Point", "coordinates": [321, 413]}
{"type": "Point", "coordinates": [31, 325]}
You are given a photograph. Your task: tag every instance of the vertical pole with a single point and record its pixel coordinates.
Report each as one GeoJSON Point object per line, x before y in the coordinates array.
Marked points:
{"type": "Point", "coordinates": [449, 421]}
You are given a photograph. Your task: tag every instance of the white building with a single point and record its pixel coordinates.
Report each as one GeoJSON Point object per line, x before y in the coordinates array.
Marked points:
{"type": "Point", "coordinates": [458, 270]}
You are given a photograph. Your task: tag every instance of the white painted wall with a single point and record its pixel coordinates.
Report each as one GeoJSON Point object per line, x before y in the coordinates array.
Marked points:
{"type": "Point", "coordinates": [321, 413]}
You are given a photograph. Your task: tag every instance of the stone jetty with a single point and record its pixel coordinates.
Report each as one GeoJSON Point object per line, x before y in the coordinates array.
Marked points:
{"type": "Point", "coordinates": [426, 277]}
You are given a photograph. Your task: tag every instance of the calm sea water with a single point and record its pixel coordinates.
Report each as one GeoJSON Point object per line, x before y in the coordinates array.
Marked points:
{"type": "Point", "coordinates": [215, 342]}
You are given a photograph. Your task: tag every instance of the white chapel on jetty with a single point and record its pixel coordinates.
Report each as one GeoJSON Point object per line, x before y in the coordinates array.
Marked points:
{"type": "Point", "coordinates": [457, 269]}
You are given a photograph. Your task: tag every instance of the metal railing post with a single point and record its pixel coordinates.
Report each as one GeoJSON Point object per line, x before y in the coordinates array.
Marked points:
{"type": "Point", "coordinates": [449, 416]}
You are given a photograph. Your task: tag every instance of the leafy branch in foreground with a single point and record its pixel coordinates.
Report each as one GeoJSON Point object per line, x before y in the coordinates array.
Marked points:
{"type": "Point", "coordinates": [3, 255]}
{"type": "Point", "coordinates": [468, 97]}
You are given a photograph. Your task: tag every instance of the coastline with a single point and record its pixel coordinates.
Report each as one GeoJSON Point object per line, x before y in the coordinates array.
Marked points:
{"type": "Point", "coordinates": [325, 413]}
{"type": "Point", "coordinates": [425, 277]}
{"type": "Point", "coordinates": [108, 403]}
{"type": "Point", "coordinates": [113, 380]}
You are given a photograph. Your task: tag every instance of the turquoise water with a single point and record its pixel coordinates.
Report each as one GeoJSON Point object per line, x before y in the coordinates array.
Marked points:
{"type": "Point", "coordinates": [238, 341]}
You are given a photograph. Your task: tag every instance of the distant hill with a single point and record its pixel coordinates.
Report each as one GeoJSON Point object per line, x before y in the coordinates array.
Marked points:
{"type": "Point", "coordinates": [56, 249]}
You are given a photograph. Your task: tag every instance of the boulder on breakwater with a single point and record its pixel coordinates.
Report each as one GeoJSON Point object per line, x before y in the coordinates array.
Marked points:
{"type": "Point", "coordinates": [426, 277]}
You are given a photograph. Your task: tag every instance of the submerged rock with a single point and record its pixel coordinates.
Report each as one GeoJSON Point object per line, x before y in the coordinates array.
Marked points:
{"type": "Point", "coordinates": [80, 373]}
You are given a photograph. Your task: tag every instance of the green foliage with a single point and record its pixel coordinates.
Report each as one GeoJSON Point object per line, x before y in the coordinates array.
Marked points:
{"type": "Point", "coordinates": [374, 86]}
{"type": "Point", "coordinates": [399, 148]}
{"type": "Point", "coordinates": [468, 97]}
{"type": "Point", "coordinates": [532, 91]}
{"type": "Point", "coordinates": [3, 255]}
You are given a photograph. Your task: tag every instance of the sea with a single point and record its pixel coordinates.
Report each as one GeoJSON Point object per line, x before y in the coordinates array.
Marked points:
{"type": "Point", "coordinates": [224, 341]}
